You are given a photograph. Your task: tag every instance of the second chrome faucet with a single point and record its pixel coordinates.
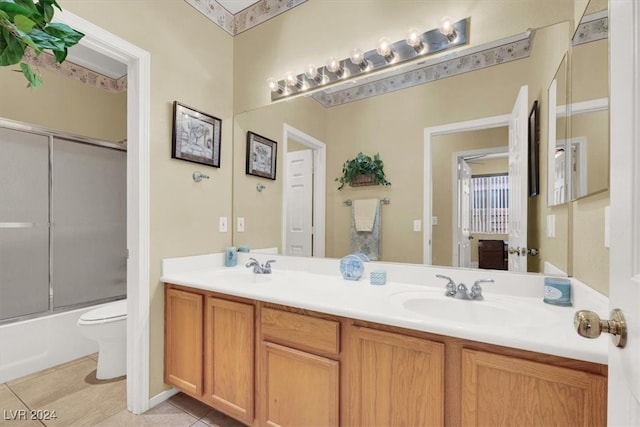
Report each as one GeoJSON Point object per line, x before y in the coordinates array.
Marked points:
{"type": "Point", "coordinates": [460, 291]}
{"type": "Point", "coordinates": [260, 269]}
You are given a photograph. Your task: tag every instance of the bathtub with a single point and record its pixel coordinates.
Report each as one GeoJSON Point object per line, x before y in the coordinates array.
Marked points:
{"type": "Point", "coordinates": [32, 345]}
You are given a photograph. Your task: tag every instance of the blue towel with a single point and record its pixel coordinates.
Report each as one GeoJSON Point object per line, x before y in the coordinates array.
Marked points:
{"type": "Point", "coordinates": [367, 242]}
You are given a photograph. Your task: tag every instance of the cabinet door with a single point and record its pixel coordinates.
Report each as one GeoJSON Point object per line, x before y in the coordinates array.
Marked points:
{"type": "Point", "coordinates": [502, 390]}
{"type": "Point", "coordinates": [229, 357]}
{"type": "Point", "coordinates": [299, 389]}
{"type": "Point", "coordinates": [395, 380]}
{"type": "Point", "coordinates": [183, 340]}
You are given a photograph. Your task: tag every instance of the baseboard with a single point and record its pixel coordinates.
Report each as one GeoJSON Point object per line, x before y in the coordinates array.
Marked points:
{"type": "Point", "coordinates": [162, 396]}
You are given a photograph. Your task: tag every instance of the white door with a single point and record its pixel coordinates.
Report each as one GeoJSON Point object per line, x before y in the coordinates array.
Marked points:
{"type": "Point", "coordinates": [464, 214]}
{"type": "Point", "coordinates": [518, 181]}
{"type": "Point", "coordinates": [624, 276]}
{"type": "Point", "coordinates": [299, 203]}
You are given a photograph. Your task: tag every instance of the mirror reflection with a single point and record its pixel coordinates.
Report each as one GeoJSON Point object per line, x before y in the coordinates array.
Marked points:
{"type": "Point", "coordinates": [393, 125]}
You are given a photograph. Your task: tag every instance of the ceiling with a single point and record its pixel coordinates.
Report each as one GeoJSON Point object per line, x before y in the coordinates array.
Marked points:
{"type": "Point", "coordinates": [235, 6]}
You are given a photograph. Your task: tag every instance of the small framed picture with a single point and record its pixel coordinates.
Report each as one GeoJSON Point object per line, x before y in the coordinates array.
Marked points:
{"type": "Point", "coordinates": [261, 156]}
{"type": "Point", "coordinates": [196, 136]}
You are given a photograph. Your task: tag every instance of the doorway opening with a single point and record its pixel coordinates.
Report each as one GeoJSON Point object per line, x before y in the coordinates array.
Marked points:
{"type": "Point", "coordinates": [303, 195]}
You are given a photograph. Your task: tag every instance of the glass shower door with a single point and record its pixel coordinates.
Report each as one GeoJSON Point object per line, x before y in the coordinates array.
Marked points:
{"type": "Point", "coordinates": [89, 216]}
{"type": "Point", "coordinates": [24, 223]}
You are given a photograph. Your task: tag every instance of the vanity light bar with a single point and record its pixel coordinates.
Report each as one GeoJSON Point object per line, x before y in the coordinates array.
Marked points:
{"type": "Point", "coordinates": [432, 41]}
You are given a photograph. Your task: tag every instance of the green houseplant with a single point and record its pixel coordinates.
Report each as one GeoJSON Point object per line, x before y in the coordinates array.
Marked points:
{"type": "Point", "coordinates": [27, 23]}
{"type": "Point", "coordinates": [363, 170]}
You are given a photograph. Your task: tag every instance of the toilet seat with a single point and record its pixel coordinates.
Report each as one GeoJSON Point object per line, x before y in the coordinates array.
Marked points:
{"type": "Point", "coordinates": [109, 313]}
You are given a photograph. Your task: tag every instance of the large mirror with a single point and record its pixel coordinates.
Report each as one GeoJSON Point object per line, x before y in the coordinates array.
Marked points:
{"type": "Point", "coordinates": [393, 124]}
{"type": "Point", "coordinates": [581, 145]}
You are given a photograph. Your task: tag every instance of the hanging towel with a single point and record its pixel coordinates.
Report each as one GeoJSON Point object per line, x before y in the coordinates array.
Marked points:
{"type": "Point", "coordinates": [367, 242]}
{"type": "Point", "coordinates": [364, 214]}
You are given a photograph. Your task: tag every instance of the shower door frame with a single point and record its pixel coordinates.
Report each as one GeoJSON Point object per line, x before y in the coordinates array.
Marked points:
{"type": "Point", "coordinates": [51, 135]}
{"type": "Point", "coordinates": [138, 134]}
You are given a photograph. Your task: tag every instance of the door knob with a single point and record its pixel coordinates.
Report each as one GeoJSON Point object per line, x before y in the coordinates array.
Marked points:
{"type": "Point", "coordinates": [589, 325]}
{"type": "Point", "coordinates": [514, 251]}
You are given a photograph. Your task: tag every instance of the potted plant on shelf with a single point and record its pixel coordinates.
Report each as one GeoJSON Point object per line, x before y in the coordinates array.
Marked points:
{"type": "Point", "coordinates": [27, 23]}
{"type": "Point", "coordinates": [363, 170]}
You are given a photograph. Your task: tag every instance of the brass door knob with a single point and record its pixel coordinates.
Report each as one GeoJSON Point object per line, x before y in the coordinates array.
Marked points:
{"type": "Point", "coordinates": [589, 325]}
{"type": "Point", "coordinates": [514, 251]}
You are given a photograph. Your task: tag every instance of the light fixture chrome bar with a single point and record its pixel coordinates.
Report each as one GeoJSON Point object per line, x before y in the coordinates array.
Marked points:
{"type": "Point", "coordinates": [433, 41]}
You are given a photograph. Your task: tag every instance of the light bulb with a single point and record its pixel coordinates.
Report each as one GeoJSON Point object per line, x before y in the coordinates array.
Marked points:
{"type": "Point", "coordinates": [447, 28]}
{"type": "Point", "coordinates": [333, 65]}
{"type": "Point", "coordinates": [312, 72]}
{"type": "Point", "coordinates": [384, 49]}
{"type": "Point", "coordinates": [357, 57]}
{"type": "Point", "coordinates": [274, 86]}
{"type": "Point", "coordinates": [291, 79]}
{"type": "Point", "coordinates": [413, 39]}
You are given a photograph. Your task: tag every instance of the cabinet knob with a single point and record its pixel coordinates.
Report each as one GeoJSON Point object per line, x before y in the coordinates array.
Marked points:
{"type": "Point", "coordinates": [589, 325]}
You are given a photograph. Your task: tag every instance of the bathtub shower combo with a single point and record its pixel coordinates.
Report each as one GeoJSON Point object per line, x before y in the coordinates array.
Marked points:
{"type": "Point", "coordinates": [62, 247]}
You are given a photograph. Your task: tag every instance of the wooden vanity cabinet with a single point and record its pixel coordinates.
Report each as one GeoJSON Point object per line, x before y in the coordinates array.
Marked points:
{"type": "Point", "coordinates": [183, 340]}
{"type": "Point", "coordinates": [300, 369]}
{"type": "Point", "coordinates": [229, 337]}
{"type": "Point", "coordinates": [270, 365]}
{"type": "Point", "coordinates": [503, 390]}
{"type": "Point", "coordinates": [395, 379]}
{"type": "Point", "coordinates": [209, 350]}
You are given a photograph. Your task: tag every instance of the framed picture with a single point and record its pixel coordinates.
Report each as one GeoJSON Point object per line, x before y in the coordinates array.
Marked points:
{"type": "Point", "coordinates": [196, 136]}
{"type": "Point", "coordinates": [534, 151]}
{"type": "Point", "coordinates": [261, 156]}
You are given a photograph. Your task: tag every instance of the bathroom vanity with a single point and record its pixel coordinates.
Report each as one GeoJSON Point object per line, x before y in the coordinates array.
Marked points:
{"type": "Point", "coordinates": [298, 348]}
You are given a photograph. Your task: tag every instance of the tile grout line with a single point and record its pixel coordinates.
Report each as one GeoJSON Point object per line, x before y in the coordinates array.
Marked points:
{"type": "Point", "coordinates": [22, 401]}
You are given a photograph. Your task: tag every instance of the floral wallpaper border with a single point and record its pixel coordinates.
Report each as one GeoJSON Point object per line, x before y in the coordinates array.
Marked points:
{"type": "Point", "coordinates": [471, 62]}
{"type": "Point", "coordinates": [592, 31]}
{"type": "Point", "coordinates": [254, 15]}
{"type": "Point", "coordinates": [74, 71]}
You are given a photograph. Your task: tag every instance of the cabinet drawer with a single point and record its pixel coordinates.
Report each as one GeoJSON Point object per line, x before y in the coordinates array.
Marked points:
{"type": "Point", "coordinates": [301, 331]}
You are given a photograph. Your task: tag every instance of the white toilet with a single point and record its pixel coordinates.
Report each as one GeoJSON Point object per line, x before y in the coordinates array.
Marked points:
{"type": "Point", "coordinates": [108, 326]}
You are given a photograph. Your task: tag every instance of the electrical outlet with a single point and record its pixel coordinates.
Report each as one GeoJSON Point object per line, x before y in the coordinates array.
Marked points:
{"type": "Point", "coordinates": [240, 225]}
{"type": "Point", "coordinates": [222, 224]}
{"type": "Point", "coordinates": [417, 225]}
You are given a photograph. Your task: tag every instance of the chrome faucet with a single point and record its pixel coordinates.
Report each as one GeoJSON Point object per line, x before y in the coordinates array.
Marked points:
{"type": "Point", "coordinates": [260, 269]}
{"type": "Point", "coordinates": [460, 291]}
{"type": "Point", "coordinates": [451, 285]}
{"type": "Point", "coordinates": [476, 290]}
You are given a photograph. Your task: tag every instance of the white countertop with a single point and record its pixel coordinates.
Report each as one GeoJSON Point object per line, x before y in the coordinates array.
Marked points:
{"type": "Point", "coordinates": [512, 314]}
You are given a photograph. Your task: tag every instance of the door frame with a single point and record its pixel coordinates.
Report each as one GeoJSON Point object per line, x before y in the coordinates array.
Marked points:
{"type": "Point", "coordinates": [429, 134]}
{"type": "Point", "coordinates": [455, 188]}
{"type": "Point", "coordinates": [319, 185]}
{"type": "Point", "coordinates": [138, 131]}
{"type": "Point", "coordinates": [624, 272]}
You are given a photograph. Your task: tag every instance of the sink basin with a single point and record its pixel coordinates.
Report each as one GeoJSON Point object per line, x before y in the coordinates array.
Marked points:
{"type": "Point", "coordinates": [499, 311]}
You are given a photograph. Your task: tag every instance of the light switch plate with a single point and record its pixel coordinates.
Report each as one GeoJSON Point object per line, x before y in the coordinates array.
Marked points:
{"type": "Point", "coordinates": [434, 220]}
{"type": "Point", "coordinates": [417, 225]}
{"type": "Point", "coordinates": [222, 223]}
{"type": "Point", "coordinates": [240, 224]}
{"type": "Point", "coordinates": [607, 227]}
{"type": "Point", "coordinates": [551, 226]}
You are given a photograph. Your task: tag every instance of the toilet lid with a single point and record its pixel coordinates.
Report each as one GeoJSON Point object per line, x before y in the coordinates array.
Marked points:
{"type": "Point", "coordinates": [110, 311]}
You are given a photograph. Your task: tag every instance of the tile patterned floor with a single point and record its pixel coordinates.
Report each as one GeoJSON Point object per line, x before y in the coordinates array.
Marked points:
{"type": "Point", "coordinates": [79, 399]}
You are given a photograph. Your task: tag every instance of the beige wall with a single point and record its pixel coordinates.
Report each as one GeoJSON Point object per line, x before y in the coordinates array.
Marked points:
{"type": "Point", "coordinates": [192, 62]}
{"type": "Point", "coordinates": [64, 104]}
